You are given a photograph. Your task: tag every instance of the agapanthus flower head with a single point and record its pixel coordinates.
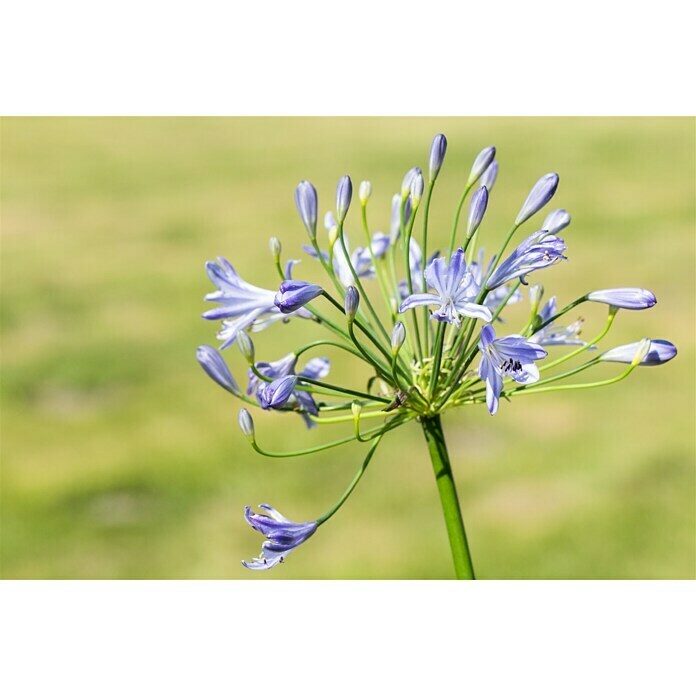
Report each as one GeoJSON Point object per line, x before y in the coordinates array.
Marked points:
{"type": "Point", "coordinates": [660, 352]}
{"type": "Point", "coordinates": [344, 194]}
{"type": "Point", "coordinates": [481, 163]}
{"type": "Point", "coordinates": [307, 205]}
{"type": "Point", "coordinates": [538, 197]}
{"type": "Point", "coordinates": [490, 175]}
{"type": "Point", "coordinates": [477, 209]}
{"type": "Point", "coordinates": [437, 155]}
{"type": "Point", "coordinates": [559, 336]}
{"type": "Point", "coordinates": [538, 251]}
{"type": "Point", "coordinates": [625, 298]}
{"type": "Point", "coordinates": [511, 356]}
{"type": "Point", "coordinates": [556, 221]}
{"type": "Point", "coordinates": [282, 536]}
{"type": "Point", "coordinates": [294, 294]}
{"type": "Point", "coordinates": [216, 368]}
{"type": "Point", "coordinates": [454, 292]}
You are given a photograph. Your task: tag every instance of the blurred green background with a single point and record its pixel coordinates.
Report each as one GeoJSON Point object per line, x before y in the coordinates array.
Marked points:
{"type": "Point", "coordinates": [121, 459]}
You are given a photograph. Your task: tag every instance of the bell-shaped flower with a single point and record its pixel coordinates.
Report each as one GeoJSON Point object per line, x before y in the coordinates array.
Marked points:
{"type": "Point", "coordinates": [454, 292]}
{"type": "Point", "coordinates": [299, 400]}
{"type": "Point", "coordinates": [539, 250]}
{"type": "Point", "coordinates": [511, 356]}
{"type": "Point", "coordinates": [660, 352]}
{"type": "Point", "coordinates": [282, 536]}
{"type": "Point", "coordinates": [294, 294]}
{"type": "Point", "coordinates": [626, 298]}
{"type": "Point", "coordinates": [242, 305]}
{"type": "Point", "coordinates": [557, 336]}
{"type": "Point", "coordinates": [216, 368]}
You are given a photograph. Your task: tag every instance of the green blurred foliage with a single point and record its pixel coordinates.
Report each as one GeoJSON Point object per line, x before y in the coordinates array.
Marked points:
{"type": "Point", "coordinates": [120, 459]}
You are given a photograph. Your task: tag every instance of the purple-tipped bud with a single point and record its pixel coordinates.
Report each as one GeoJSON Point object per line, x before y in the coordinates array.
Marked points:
{"type": "Point", "coordinates": [417, 186]}
{"type": "Point", "coordinates": [344, 194]}
{"type": "Point", "coordinates": [364, 192]}
{"type": "Point", "coordinates": [306, 202]}
{"type": "Point", "coordinates": [660, 352]}
{"type": "Point", "coordinates": [625, 298]}
{"type": "Point", "coordinates": [216, 368]}
{"type": "Point", "coordinates": [490, 175]}
{"type": "Point", "coordinates": [538, 197]}
{"type": "Point", "coordinates": [246, 423]}
{"type": "Point", "coordinates": [556, 220]}
{"type": "Point", "coordinates": [246, 346]}
{"type": "Point", "coordinates": [481, 163]}
{"type": "Point", "coordinates": [275, 247]}
{"type": "Point", "coordinates": [294, 294]}
{"type": "Point", "coordinates": [437, 155]}
{"type": "Point", "coordinates": [277, 393]}
{"type": "Point", "coordinates": [406, 183]}
{"type": "Point", "coordinates": [352, 300]}
{"type": "Point", "coordinates": [477, 209]}
{"type": "Point", "coordinates": [398, 336]}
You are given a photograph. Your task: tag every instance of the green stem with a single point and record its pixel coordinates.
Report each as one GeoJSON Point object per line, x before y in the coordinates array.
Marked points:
{"type": "Point", "coordinates": [432, 428]}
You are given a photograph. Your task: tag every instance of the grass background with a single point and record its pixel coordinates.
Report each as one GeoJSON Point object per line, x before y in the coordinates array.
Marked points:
{"type": "Point", "coordinates": [120, 459]}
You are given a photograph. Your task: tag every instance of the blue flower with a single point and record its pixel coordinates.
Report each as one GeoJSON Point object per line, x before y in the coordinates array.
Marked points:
{"type": "Point", "coordinates": [455, 292]}
{"type": "Point", "coordinates": [275, 394]}
{"type": "Point", "coordinates": [481, 163]}
{"type": "Point", "coordinates": [626, 298]}
{"type": "Point", "coordinates": [560, 336]}
{"type": "Point", "coordinates": [307, 203]}
{"type": "Point", "coordinates": [216, 368]}
{"type": "Point", "coordinates": [660, 352]}
{"type": "Point", "coordinates": [541, 193]}
{"type": "Point", "coordinates": [539, 250]}
{"type": "Point", "coordinates": [344, 194]}
{"type": "Point", "coordinates": [496, 296]}
{"type": "Point", "coordinates": [477, 209]}
{"type": "Point", "coordinates": [511, 356]}
{"type": "Point", "coordinates": [298, 400]}
{"type": "Point", "coordinates": [282, 536]}
{"type": "Point", "coordinates": [295, 294]}
{"type": "Point", "coordinates": [242, 305]}
{"type": "Point", "coordinates": [437, 155]}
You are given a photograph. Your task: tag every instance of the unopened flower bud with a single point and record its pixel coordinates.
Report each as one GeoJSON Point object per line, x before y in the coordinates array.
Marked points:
{"type": "Point", "coordinates": [344, 194]}
{"type": "Point", "coordinates": [641, 352]}
{"type": "Point", "coordinates": [246, 346]}
{"type": "Point", "coordinates": [538, 197]}
{"type": "Point", "coordinates": [398, 336]}
{"type": "Point", "coordinates": [437, 155]}
{"type": "Point", "coordinates": [364, 192]}
{"type": "Point", "coordinates": [481, 163]}
{"type": "Point", "coordinates": [275, 246]}
{"type": "Point", "coordinates": [490, 175]}
{"type": "Point", "coordinates": [477, 209]}
{"type": "Point", "coordinates": [333, 236]}
{"type": "Point", "coordinates": [406, 183]}
{"type": "Point", "coordinates": [356, 408]}
{"type": "Point", "coordinates": [417, 186]}
{"type": "Point", "coordinates": [556, 220]}
{"type": "Point", "coordinates": [625, 298]}
{"type": "Point", "coordinates": [394, 305]}
{"type": "Point", "coordinates": [351, 303]}
{"type": "Point", "coordinates": [246, 424]}
{"type": "Point", "coordinates": [660, 352]}
{"type": "Point", "coordinates": [306, 202]}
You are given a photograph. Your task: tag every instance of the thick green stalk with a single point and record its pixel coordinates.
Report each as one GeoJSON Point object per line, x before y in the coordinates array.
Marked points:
{"type": "Point", "coordinates": [432, 428]}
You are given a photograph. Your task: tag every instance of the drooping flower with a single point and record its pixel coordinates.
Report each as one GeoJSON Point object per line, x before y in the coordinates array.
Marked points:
{"type": "Point", "coordinates": [556, 221]}
{"type": "Point", "coordinates": [481, 163]}
{"type": "Point", "coordinates": [294, 294]}
{"type": "Point", "coordinates": [490, 175]}
{"type": "Point", "coordinates": [511, 356]}
{"type": "Point", "coordinates": [298, 400]}
{"type": "Point", "coordinates": [216, 368]}
{"type": "Point", "coordinates": [559, 336]}
{"type": "Point", "coordinates": [242, 305]}
{"type": "Point", "coordinates": [538, 251]}
{"type": "Point", "coordinates": [660, 352]}
{"type": "Point", "coordinates": [437, 155]}
{"type": "Point", "coordinates": [541, 193]}
{"type": "Point", "coordinates": [282, 536]}
{"type": "Point", "coordinates": [626, 298]}
{"type": "Point", "coordinates": [454, 292]}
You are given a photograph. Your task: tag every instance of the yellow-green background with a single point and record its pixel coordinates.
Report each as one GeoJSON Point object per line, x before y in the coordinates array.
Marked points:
{"type": "Point", "coordinates": [121, 459]}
